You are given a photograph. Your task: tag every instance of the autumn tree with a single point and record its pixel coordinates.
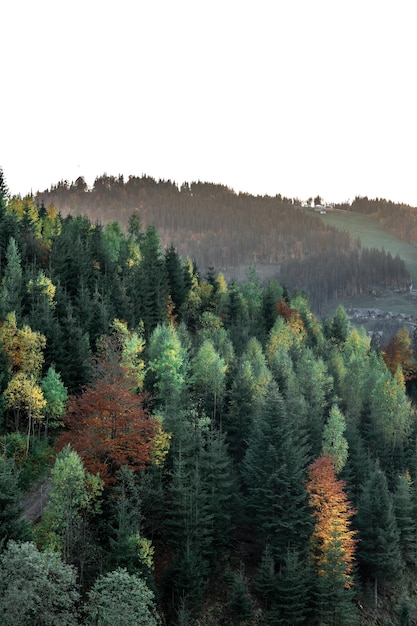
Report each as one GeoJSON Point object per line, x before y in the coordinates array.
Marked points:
{"type": "Point", "coordinates": [23, 349]}
{"type": "Point", "coordinates": [399, 353]}
{"type": "Point", "coordinates": [108, 424]}
{"type": "Point", "coordinates": [292, 317]}
{"type": "Point", "coordinates": [333, 541]}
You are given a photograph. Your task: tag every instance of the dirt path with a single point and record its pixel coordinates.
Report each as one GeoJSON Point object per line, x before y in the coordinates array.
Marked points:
{"type": "Point", "coordinates": [34, 502]}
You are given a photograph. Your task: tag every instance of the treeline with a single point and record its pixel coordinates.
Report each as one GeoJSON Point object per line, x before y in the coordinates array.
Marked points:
{"type": "Point", "coordinates": [217, 227]}
{"type": "Point", "coordinates": [215, 453]}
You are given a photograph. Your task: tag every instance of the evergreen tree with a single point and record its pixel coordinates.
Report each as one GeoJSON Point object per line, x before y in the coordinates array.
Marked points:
{"type": "Point", "coordinates": [128, 546]}
{"type": "Point", "coordinates": [379, 551]}
{"type": "Point", "coordinates": [336, 329]}
{"type": "Point", "coordinates": [149, 288]}
{"type": "Point", "coordinates": [12, 526]}
{"type": "Point", "coordinates": [247, 396]}
{"type": "Point", "coordinates": [292, 590]}
{"type": "Point", "coordinates": [334, 442]}
{"type": "Point", "coordinates": [404, 514]}
{"type": "Point", "coordinates": [274, 474]}
{"type": "Point", "coordinates": [333, 602]}
{"type": "Point", "coordinates": [176, 281]}
{"type": "Point", "coordinates": [4, 193]}
{"type": "Point", "coordinates": [240, 605]}
{"type": "Point", "coordinates": [11, 287]}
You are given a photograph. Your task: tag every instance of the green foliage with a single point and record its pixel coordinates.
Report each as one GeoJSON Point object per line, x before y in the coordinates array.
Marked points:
{"type": "Point", "coordinates": [247, 385]}
{"type": "Point", "coordinates": [12, 526]}
{"type": "Point", "coordinates": [332, 599]}
{"type": "Point", "coordinates": [168, 363]}
{"type": "Point", "coordinates": [36, 588]}
{"type": "Point", "coordinates": [122, 599]}
{"type": "Point", "coordinates": [334, 443]}
{"type": "Point", "coordinates": [240, 605]}
{"type": "Point", "coordinates": [292, 591]}
{"type": "Point", "coordinates": [11, 286]}
{"type": "Point", "coordinates": [378, 552]}
{"type": "Point", "coordinates": [56, 397]}
{"type": "Point", "coordinates": [336, 328]}
{"type": "Point", "coordinates": [129, 549]}
{"type": "Point", "coordinates": [209, 377]}
{"type": "Point", "coordinates": [404, 514]}
{"type": "Point", "coordinates": [276, 499]}
{"type": "Point", "coordinates": [73, 495]}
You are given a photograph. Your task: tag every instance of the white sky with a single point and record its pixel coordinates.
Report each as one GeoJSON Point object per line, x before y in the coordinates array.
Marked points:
{"type": "Point", "coordinates": [298, 97]}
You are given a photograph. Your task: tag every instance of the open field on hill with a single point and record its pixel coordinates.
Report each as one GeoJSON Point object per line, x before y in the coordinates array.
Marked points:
{"type": "Point", "coordinates": [372, 235]}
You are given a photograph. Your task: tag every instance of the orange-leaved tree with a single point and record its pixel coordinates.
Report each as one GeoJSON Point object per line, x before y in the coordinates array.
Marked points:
{"type": "Point", "coordinates": [108, 424]}
{"type": "Point", "coordinates": [332, 511]}
{"type": "Point", "coordinates": [292, 317]}
{"type": "Point", "coordinates": [399, 353]}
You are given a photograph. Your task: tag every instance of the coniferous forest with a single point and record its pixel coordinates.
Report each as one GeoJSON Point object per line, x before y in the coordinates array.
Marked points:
{"type": "Point", "coordinates": [177, 449]}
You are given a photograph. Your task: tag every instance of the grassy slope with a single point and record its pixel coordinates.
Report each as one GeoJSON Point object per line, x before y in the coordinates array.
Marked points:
{"type": "Point", "coordinates": [372, 235]}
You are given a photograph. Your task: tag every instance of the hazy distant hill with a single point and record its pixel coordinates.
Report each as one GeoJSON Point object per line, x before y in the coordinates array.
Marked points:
{"type": "Point", "coordinates": [219, 228]}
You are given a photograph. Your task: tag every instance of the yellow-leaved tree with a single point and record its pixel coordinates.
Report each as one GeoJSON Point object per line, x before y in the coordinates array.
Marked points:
{"type": "Point", "coordinates": [23, 351]}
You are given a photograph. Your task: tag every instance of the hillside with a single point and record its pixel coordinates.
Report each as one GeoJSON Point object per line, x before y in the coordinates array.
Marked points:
{"type": "Point", "coordinates": [218, 228]}
{"type": "Point", "coordinates": [198, 452]}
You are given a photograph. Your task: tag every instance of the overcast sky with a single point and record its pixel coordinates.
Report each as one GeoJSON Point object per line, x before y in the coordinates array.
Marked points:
{"type": "Point", "coordinates": [298, 97]}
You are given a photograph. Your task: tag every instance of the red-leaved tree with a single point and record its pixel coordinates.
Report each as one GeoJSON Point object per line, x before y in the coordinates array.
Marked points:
{"type": "Point", "coordinates": [108, 424]}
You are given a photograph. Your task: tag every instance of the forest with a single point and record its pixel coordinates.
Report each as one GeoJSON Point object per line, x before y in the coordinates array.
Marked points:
{"type": "Point", "coordinates": [219, 228]}
{"type": "Point", "coordinates": [212, 451]}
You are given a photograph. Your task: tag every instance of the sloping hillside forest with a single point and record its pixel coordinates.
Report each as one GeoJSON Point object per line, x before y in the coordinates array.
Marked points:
{"type": "Point", "coordinates": [219, 228]}
{"type": "Point", "coordinates": [205, 452]}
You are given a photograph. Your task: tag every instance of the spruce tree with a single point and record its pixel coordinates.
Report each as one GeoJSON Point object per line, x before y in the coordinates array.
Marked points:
{"type": "Point", "coordinates": [379, 550]}
{"type": "Point", "coordinates": [274, 475]}
{"type": "Point", "coordinates": [292, 592]}
{"type": "Point", "coordinates": [406, 522]}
